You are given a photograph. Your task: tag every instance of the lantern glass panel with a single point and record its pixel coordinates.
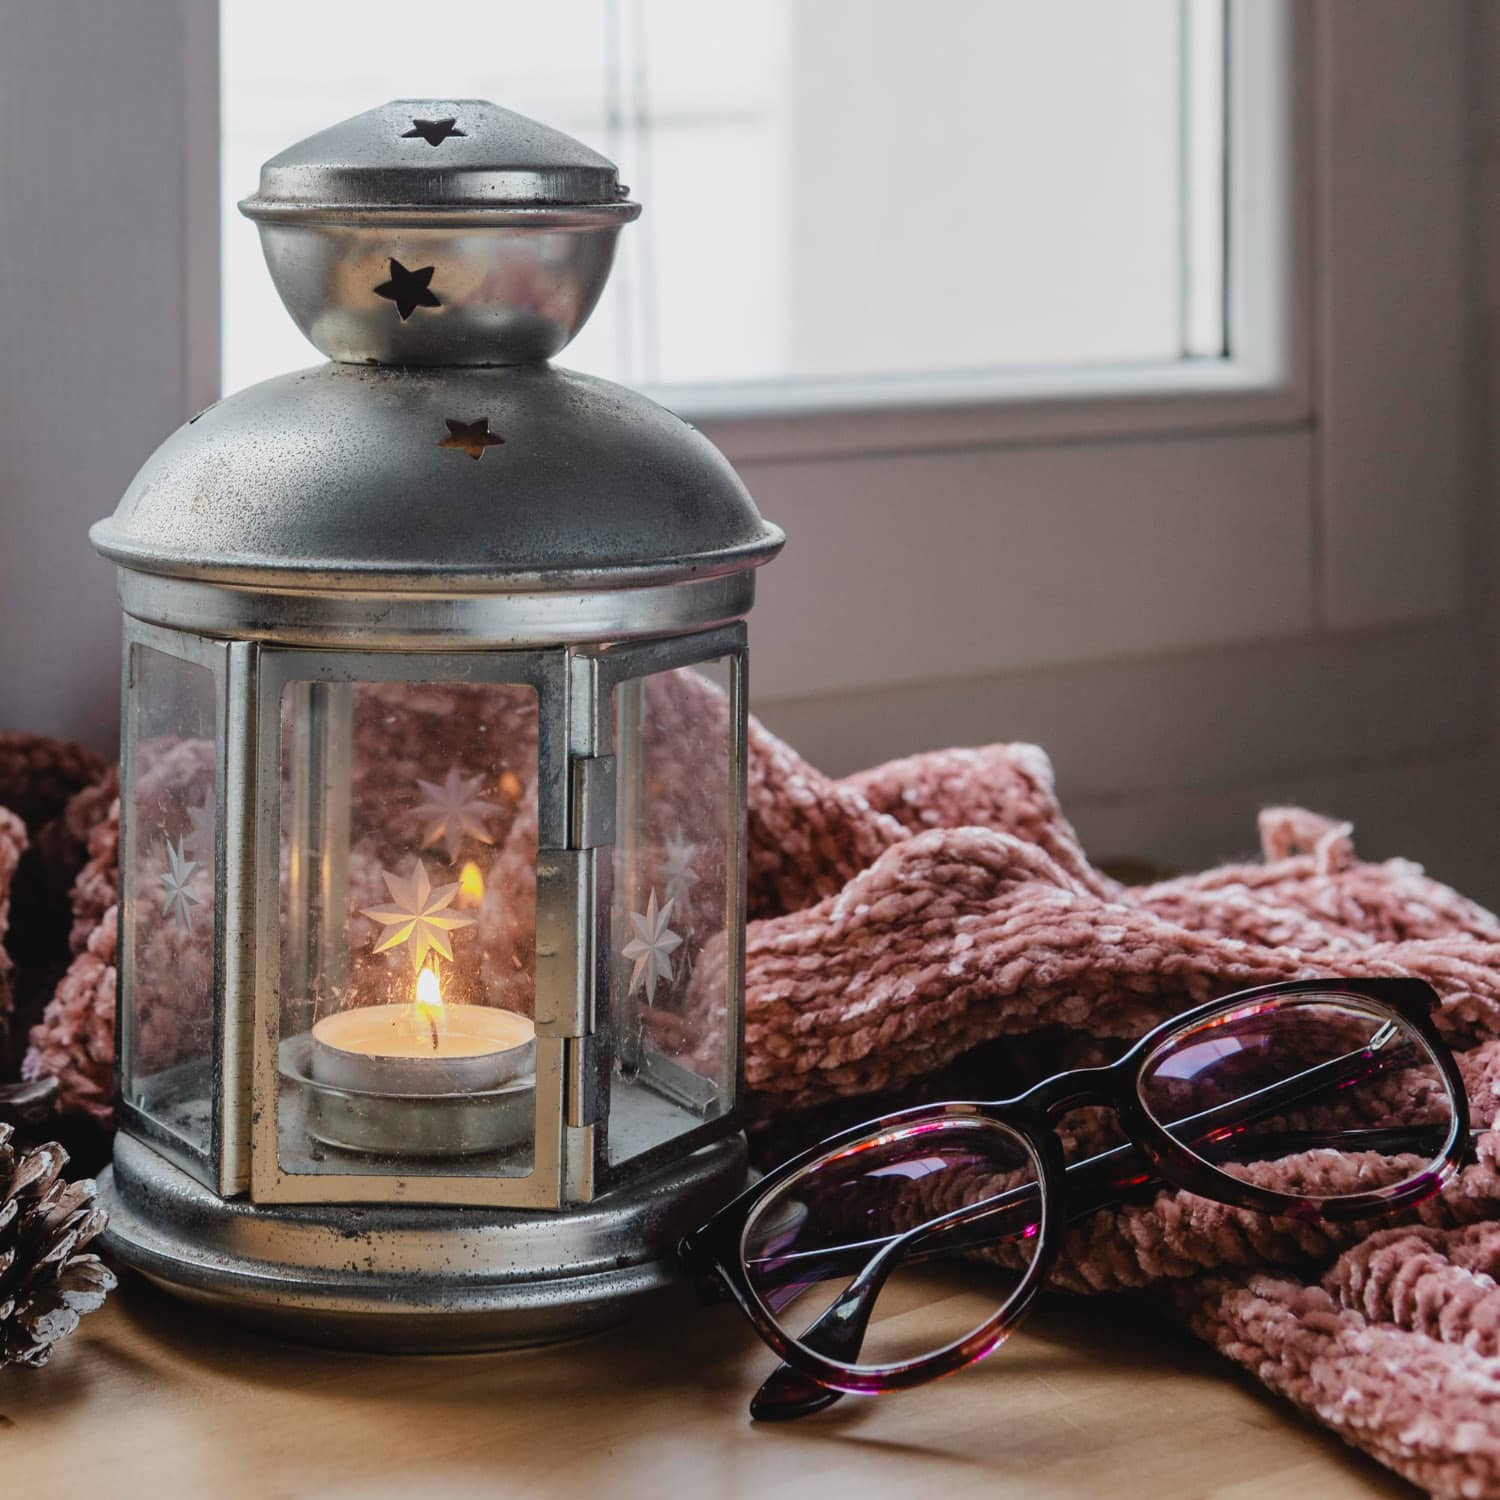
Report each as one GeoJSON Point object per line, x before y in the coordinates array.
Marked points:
{"type": "Point", "coordinates": [168, 940]}
{"type": "Point", "coordinates": [408, 890]}
{"type": "Point", "coordinates": [674, 996]}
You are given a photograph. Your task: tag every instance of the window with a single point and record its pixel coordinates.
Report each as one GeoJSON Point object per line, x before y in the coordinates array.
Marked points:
{"type": "Point", "coordinates": [1198, 581]}
{"type": "Point", "coordinates": [1115, 289]}
{"type": "Point", "coordinates": [842, 190]}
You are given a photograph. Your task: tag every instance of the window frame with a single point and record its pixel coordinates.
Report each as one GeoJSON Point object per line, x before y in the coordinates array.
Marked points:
{"type": "Point", "coordinates": [1340, 420]}
{"type": "Point", "coordinates": [1327, 268]}
{"type": "Point", "coordinates": [1258, 538]}
{"type": "Point", "coordinates": [1264, 381]}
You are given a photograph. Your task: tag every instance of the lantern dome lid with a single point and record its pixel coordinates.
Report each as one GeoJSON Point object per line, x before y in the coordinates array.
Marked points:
{"type": "Point", "coordinates": [438, 478]}
{"type": "Point", "coordinates": [436, 158]}
{"type": "Point", "coordinates": [345, 478]}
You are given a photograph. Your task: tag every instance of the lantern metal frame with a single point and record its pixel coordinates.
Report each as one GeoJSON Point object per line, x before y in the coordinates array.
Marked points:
{"type": "Point", "coordinates": [576, 842]}
{"type": "Point", "coordinates": [276, 669]}
{"type": "Point", "coordinates": [220, 1230]}
{"type": "Point", "coordinates": [312, 531]}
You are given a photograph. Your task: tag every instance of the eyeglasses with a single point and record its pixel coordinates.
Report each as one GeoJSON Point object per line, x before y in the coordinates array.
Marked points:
{"type": "Point", "coordinates": [833, 1255]}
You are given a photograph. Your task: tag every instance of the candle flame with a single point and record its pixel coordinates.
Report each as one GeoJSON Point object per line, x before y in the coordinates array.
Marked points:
{"type": "Point", "coordinates": [429, 990]}
{"type": "Point", "coordinates": [471, 884]}
{"type": "Point", "coordinates": [429, 1002]}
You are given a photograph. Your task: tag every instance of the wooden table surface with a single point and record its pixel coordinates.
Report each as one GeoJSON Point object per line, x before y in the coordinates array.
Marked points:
{"type": "Point", "coordinates": [155, 1400]}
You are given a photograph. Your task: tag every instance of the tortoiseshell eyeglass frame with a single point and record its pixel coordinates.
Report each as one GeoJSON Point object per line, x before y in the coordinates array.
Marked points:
{"type": "Point", "coordinates": [822, 1364]}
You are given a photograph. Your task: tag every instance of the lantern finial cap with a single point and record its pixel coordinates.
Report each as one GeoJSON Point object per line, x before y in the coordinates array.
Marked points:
{"type": "Point", "coordinates": [439, 232]}
{"type": "Point", "coordinates": [437, 160]}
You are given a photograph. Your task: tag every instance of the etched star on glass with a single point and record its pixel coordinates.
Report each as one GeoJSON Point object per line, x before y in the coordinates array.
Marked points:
{"type": "Point", "coordinates": [652, 947]}
{"type": "Point", "coordinates": [679, 867]}
{"type": "Point", "coordinates": [177, 900]}
{"type": "Point", "coordinates": [418, 916]}
{"type": "Point", "coordinates": [454, 811]}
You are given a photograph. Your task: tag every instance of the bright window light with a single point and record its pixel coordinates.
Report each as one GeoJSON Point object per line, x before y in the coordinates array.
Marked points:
{"type": "Point", "coordinates": [833, 189]}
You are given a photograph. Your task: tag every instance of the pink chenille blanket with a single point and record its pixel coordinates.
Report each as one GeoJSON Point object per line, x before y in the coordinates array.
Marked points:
{"type": "Point", "coordinates": [939, 909]}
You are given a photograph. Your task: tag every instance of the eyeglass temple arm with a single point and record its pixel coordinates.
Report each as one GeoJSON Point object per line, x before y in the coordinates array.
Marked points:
{"type": "Point", "coordinates": [1097, 1182]}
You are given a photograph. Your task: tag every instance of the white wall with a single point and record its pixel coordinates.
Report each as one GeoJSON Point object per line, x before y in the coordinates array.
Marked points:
{"type": "Point", "coordinates": [95, 363]}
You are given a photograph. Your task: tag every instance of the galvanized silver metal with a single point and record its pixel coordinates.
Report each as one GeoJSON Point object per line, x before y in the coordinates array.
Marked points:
{"type": "Point", "coordinates": [422, 622]}
{"type": "Point", "coordinates": [439, 232]}
{"type": "Point", "coordinates": [436, 506]}
{"type": "Point", "coordinates": [563, 939]}
{"type": "Point", "coordinates": [549, 270]}
{"type": "Point", "coordinates": [234, 1000]}
{"type": "Point", "coordinates": [334, 481]}
{"type": "Point", "coordinates": [593, 800]}
{"type": "Point", "coordinates": [411, 1280]}
{"type": "Point", "coordinates": [484, 163]}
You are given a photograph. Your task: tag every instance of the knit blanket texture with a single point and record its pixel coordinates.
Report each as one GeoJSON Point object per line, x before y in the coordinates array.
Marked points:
{"type": "Point", "coordinates": [940, 909]}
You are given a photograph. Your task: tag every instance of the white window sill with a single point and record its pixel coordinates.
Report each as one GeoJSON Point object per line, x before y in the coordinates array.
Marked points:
{"type": "Point", "coordinates": [1000, 408]}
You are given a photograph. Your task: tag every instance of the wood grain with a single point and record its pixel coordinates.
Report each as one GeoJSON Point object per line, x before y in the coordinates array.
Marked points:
{"type": "Point", "coordinates": [152, 1399]}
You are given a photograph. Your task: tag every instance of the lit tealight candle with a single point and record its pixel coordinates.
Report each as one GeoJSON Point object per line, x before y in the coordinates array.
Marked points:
{"type": "Point", "coordinates": [425, 1048]}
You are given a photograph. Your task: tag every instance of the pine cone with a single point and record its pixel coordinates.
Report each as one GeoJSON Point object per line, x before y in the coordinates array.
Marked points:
{"type": "Point", "coordinates": [45, 1285]}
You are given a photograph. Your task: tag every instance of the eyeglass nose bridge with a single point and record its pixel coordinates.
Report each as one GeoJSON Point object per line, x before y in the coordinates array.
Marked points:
{"type": "Point", "coordinates": [1056, 1096]}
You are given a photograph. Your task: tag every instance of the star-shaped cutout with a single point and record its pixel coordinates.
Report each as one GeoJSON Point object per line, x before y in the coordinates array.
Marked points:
{"type": "Point", "coordinates": [177, 900]}
{"type": "Point", "coordinates": [418, 916]}
{"type": "Point", "coordinates": [434, 132]}
{"type": "Point", "coordinates": [408, 289]}
{"type": "Point", "coordinates": [454, 811]}
{"type": "Point", "coordinates": [652, 947]}
{"type": "Point", "coordinates": [470, 437]}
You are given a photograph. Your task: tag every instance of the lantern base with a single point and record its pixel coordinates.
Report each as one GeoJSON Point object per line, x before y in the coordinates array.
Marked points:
{"type": "Point", "coordinates": [411, 1280]}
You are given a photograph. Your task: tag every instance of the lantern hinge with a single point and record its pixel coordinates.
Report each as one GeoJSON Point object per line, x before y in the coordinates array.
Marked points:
{"type": "Point", "coordinates": [572, 940]}
{"type": "Point", "coordinates": [581, 1081]}
{"type": "Point", "coordinates": [593, 801]}
{"type": "Point", "coordinates": [578, 1168]}
{"type": "Point", "coordinates": [565, 946]}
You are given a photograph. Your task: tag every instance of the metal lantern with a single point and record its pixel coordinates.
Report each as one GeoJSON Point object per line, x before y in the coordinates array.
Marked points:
{"type": "Point", "coordinates": [432, 869]}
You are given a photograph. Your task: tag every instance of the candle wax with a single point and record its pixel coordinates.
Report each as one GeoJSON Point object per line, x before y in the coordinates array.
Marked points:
{"type": "Point", "coordinates": [388, 1048]}
{"type": "Point", "coordinates": [404, 1030]}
